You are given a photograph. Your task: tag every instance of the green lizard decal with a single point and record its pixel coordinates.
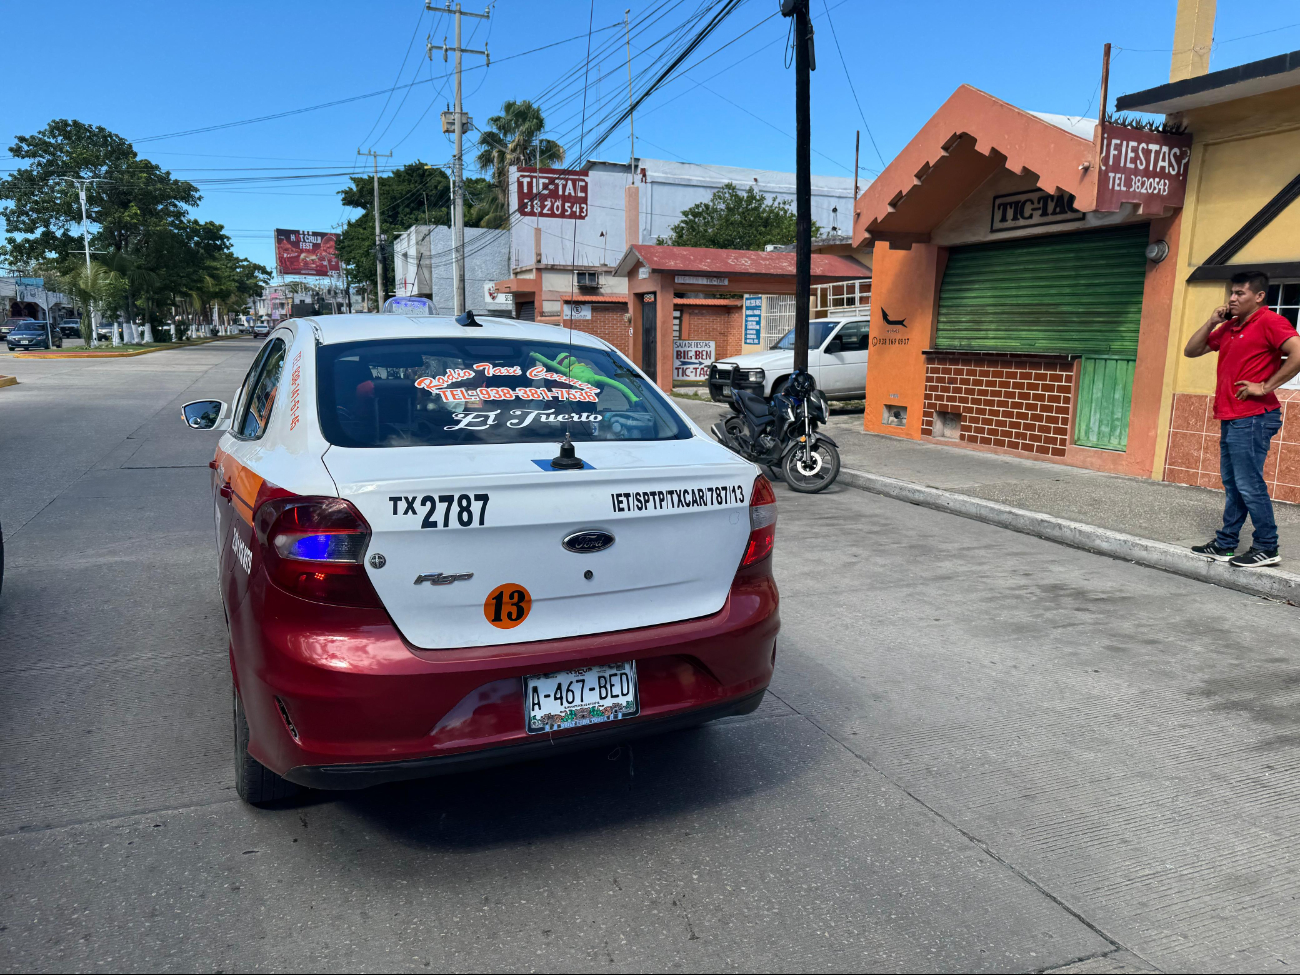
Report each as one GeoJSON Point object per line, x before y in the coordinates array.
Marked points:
{"type": "Point", "coordinates": [570, 366]}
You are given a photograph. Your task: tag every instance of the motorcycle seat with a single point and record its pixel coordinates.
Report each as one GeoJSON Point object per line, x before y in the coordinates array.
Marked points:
{"type": "Point", "coordinates": [753, 405]}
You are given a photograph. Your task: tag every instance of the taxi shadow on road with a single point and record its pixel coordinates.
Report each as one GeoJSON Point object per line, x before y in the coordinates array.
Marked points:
{"type": "Point", "coordinates": [679, 774]}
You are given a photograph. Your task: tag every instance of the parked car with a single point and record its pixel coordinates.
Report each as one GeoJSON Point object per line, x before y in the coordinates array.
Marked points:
{"type": "Point", "coordinates": [9, 324]}
{"type": "Point", "coordinates": [837, 359]}
{"type": "Point", "coordinates": [34, 335]}
{"type": "Point", "coordinates": [415, 583]}
{"type": "Point", "coordinates": [104, 330]}
{"type": "Point", "coordinates": [70, 327]}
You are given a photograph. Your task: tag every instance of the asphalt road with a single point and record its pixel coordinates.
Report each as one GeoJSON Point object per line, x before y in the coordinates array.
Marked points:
{"type": "Point", "coordinates": [982, 752]}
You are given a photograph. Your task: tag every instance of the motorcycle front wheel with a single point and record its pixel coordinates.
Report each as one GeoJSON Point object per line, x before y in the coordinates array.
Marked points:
{"type": "Point", "coordinates": [816, 473]}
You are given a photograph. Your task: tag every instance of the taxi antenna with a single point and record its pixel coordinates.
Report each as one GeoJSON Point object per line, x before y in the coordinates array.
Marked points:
{"type": "Point", "coordinates": [568, 459]}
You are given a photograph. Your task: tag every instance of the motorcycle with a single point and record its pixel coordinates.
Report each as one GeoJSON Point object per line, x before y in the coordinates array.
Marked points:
{"type": "Point", "coordinates": [782, 434]}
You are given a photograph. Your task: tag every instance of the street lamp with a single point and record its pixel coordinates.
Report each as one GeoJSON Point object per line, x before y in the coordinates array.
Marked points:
{"type": "Point", "coordinates": [85, 239]}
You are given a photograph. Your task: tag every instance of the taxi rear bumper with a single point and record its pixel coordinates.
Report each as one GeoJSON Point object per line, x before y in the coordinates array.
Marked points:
{"type": "Point", "coordinates": [363, 775]}
{"type": "Point", "coordinates": [337, 699]}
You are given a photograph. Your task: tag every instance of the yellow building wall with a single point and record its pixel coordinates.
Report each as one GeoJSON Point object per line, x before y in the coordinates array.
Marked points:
{"type": "Point", "coordinates": [1243, 153]}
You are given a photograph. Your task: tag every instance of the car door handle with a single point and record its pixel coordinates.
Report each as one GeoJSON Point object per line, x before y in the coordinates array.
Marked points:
{"type": "Point", "coordinates": [225, 491]}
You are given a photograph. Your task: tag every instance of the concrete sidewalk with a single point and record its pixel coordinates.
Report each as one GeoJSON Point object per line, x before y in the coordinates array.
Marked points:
{"type": "Point", "coordinates": [1156, 511]}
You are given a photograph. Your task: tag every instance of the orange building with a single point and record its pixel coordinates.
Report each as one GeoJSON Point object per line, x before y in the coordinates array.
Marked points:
{"type": "Point", "coordinates": [1009, 312]}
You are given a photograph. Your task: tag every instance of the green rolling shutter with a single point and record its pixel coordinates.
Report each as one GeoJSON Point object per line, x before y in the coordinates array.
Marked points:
{"type": "Point", "coordinates": [1077, 293]}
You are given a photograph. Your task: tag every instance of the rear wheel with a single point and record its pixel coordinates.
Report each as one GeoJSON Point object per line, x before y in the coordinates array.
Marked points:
{"type": "Point", "coordinates": [254, 782]}
{"type": "Point", "coordinates": [814, 473]}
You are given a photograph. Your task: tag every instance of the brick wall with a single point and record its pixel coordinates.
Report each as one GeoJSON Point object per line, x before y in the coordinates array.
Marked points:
{"type": "Point", "coordinates": [608, 322]}
{"type": "Point", "coordinates": [1193, 454]}
{"type": "Point", "coordinates": [719, 324]}
{"type": "Point", "coordinates": [1013, 402]}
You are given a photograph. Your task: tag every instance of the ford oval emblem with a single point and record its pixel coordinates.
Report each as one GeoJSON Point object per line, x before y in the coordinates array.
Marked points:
{"type": "Point", "coordinates": [588, 540]}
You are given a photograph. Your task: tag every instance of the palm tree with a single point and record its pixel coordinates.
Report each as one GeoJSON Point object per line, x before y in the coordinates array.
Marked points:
{"type": "Point", "coordinates": [513, 138]}
{"type": "Point", "coordinates": [91, 287]}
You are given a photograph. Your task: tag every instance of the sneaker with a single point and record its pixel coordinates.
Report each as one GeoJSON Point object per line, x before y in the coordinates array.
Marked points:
{"type": "Point", "coordinates": [1256, 558]}
{"type": "Point", "coordinates": [1211, 550]}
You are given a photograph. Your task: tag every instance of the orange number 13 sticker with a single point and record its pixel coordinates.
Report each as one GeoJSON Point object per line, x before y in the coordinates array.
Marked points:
{"type": "Point", "coordinates": [507, 605]}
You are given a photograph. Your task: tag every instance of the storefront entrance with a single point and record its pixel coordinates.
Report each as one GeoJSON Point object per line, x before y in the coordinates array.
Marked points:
{"type": "Point", "coordinates": [649, 339]}
{"type": "Point", "coordinates": [1056, 298]}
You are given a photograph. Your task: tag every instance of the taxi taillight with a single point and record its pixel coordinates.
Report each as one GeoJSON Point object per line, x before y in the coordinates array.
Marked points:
{"type": "Point", "coordinates": [315, 548]}
{"type": "Point", "coordinates": [762, 522]}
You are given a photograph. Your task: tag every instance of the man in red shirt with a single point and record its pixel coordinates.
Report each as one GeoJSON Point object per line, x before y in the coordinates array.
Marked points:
{"type": "Point", "coordinates": [1259, 350]}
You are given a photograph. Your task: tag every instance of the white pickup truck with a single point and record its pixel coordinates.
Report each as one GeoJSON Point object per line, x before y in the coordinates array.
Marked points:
{"type": "Point", "coordinates": [837, 359]}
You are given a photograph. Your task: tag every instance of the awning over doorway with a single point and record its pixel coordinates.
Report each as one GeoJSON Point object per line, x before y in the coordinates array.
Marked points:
{"type": "Point", "coordinates": [966, 141]}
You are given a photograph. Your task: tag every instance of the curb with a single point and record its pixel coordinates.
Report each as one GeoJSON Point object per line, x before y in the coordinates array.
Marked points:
{"type": "Point", "coordinates": [1270, 583]}
{"type": "Point", "coordinates": [8, 381]}
{"type": "Point", "coordinates": [97, 354]}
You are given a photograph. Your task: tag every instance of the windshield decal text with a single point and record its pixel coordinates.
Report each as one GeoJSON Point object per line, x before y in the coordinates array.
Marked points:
{"type": "Point", "coordinates": [487, 418]}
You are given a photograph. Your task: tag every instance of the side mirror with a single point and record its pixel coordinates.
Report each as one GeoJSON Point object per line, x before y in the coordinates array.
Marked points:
{"type": "Point", "coordinates": [203, 414]}
{"type": "Point", "coordinates": [832, 346]}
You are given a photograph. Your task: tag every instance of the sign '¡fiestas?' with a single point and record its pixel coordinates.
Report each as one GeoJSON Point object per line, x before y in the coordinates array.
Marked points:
{"type": "Point", "coordinates": [1146, 168]}
{"type": "Point", "coordinates": [546, 192]}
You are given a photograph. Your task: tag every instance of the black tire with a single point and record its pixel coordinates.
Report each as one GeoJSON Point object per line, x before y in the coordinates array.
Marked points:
{"type": "Point", "coordinates": [254, 782]}
{"type": "Point", "coordinates": [826, 468]}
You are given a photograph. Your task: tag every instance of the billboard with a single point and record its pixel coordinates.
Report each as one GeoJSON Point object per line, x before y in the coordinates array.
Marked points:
{"type": "Point", "coordinates": [560, 193]}
{"type": "Point", "coordinates": [306, 252]}
{"type": "Point", "coordinates": [1146, 168]}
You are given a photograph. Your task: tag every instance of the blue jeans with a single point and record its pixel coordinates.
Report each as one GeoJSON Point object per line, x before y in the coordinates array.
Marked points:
{"type": "Point", "coordinates": [1243, 447]}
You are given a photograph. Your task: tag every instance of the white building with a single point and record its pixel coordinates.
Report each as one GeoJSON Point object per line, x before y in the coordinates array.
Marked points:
{"type": "Point", "coordinates": [569, 228]}
{"type": "Point", "coordinates": [422, 265]}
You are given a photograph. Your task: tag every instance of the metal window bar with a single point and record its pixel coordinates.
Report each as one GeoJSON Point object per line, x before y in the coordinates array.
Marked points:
{"type": "Point", "coordinates": [778, 318]}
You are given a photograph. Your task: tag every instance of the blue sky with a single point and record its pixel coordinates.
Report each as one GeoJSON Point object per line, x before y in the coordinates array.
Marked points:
{"type": "Point", "coordinates": [151, 69]}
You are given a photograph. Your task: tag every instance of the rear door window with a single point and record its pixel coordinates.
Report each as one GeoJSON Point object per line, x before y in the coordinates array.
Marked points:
{"type": "Point", "coordinates": [429, 392]}
{"type": "Point", "coordinates": [259, 400]}
{"type": "Point", "coordinates": [853, 337]}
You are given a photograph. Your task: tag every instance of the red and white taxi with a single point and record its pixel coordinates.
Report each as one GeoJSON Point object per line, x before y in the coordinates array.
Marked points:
{"type": "Point", "coordinates": [419, 576]}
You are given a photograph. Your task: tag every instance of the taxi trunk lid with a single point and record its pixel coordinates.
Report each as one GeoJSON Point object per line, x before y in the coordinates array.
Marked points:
{"type": "Point", "coordinates": [463, 529]}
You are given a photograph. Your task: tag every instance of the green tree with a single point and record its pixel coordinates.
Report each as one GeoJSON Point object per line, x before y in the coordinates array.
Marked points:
{"type": "Point", "coordinates": [417, 193]}
{"type": "Point", "coordinates": [150, 251]}
{"type": "Point", "coordinates": [733, 220]}
{"type": "Point", "coordinates": [513, 138]}
{"type": "Point", "coordinates": [133, 198]}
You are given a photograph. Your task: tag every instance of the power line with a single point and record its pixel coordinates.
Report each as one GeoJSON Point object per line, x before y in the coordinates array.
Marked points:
{"type": "Point", "coordinates": [414, 34]}
{"type": "Point", "coordinates": [354, 98]}
{"type": "Point", "coordinates": [849, 78]}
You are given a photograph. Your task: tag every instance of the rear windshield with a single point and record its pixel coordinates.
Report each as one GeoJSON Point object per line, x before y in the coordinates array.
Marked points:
{"type": "Point", "coordinates": [429, 392]}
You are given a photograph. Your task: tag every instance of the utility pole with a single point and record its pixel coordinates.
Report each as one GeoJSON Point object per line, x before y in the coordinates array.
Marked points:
{"type": "Point", "coordinates": [379, 237]}
{"type": "Point", "coordinates": [857, 144]}
{"type": "Point", "coordinates": [460, 126]}
{"type": "Point", "coordinates": [1099, 138]}
{"type": "Point", "coordinates": [804, 64]}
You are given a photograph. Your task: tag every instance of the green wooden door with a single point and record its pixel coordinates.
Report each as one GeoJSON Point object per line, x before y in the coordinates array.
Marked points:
{"type": "Point", "coordinates": [1073, 293]}
{"type": "Point", "coordinates": [1102, 408]}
